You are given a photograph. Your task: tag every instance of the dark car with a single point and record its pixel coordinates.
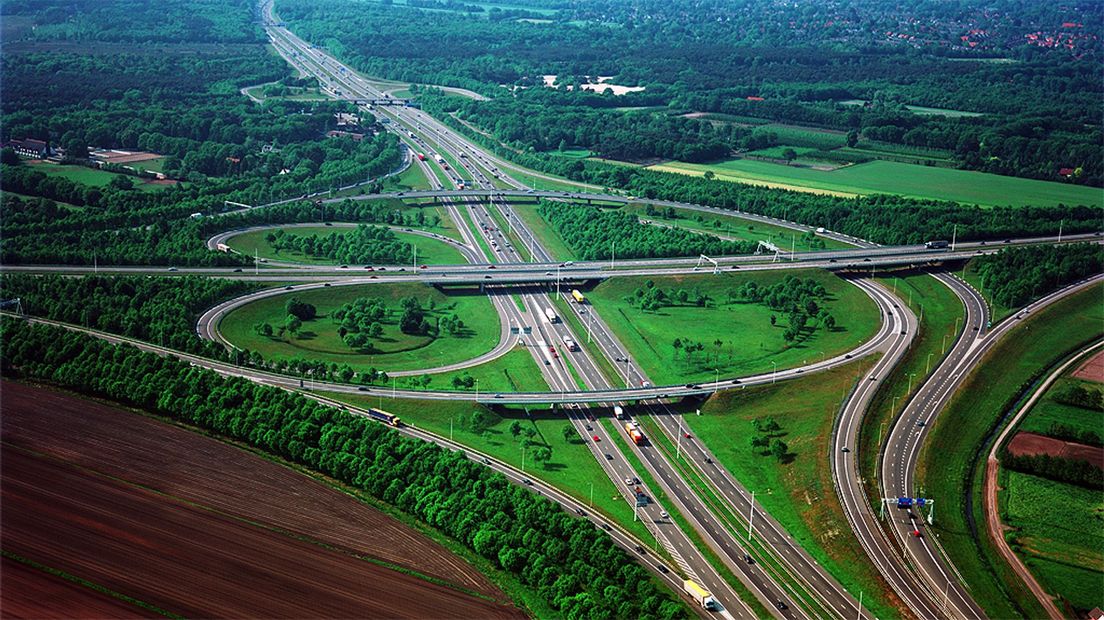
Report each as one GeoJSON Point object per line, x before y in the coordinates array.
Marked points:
{"type": "Point", "coordinates": [609, 457]}
{"type": "Point", "coordinates": [238, 270]}
{"type": "Point", "coordinates": [362, 389]}
{"type": "Point", "coordinates": [662, 569]}
{"type": "Point", "coordinates": [780, 605]}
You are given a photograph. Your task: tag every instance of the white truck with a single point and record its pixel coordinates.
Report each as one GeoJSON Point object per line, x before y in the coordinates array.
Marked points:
{"type": "Point", "coordinates": [550, 314]}
{"type": "Point", "coordinates": [440, 159]}
{"type": "Point", "coordinates": [570, 344]}
{"type": "Point", "coordinates": [699, 594]}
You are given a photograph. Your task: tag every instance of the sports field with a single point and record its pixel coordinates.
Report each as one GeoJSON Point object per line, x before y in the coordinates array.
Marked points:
{"type": "Point", "coordinates": [748, 342]}
{"type": "Point", "coordinates": [319, 340]}
{"type": "Point", "coordinates": [888, 177]}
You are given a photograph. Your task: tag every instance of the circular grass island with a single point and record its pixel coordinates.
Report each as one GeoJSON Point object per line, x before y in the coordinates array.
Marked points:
{"type": "Point", "coordinates": [392, 349]}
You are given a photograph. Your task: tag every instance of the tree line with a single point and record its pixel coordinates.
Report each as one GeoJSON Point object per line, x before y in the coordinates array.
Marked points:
{"type": "Point", "coordinates": [573, 565]}
{"type": "Point", "coordinates": [364, 245]}
{"type": "Point", "coordinates": [596, 234]}
{"type": "Point", "coordinates": [1015, 277]}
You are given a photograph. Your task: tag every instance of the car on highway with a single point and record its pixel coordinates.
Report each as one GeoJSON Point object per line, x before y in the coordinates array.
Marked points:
{"type": "Point", "coordinates": [662, 569]}
{"type": "Point", "coordinates": [491, 267]}
{"type": "Point", "coordinates": [921, 423]}
{"type": "Point", "coordinates": [287, 288]}
{"type": "Point", "coordinates": [597, 438]}
{"type": "Point", "coordinates": [780, 605]}
{"type": "Point", "coordinates": [639, 549]}
{"type": "Point", "coordinates": [609, 457]}
{"type": "Point", "coordinates": [845, 449]}
{"type": "Point", "coordinates": [172, 268]}
{"type": "Point", "coordinates": [589, 427]}
{"type": "Point", "coordinates": [527, 481]}
{"type": "Point", "coordinates": [917, 534]}
{"type": "Point", "coordinates": [686, 435]}
{"type": "Point", "coordinates": [362, 389]}
{"type": "Point", "coordinates": [629, 481]}
{"type": "Point", "coordinates": [748, 559]}
{"type": "Point", "coordinates": [238, 270]}
{"type": "Point", "coordinates": [708, 460]}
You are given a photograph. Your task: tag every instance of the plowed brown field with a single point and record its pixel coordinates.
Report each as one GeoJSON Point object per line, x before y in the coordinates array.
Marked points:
{"type": "Point", "coordinates": [199, 528]}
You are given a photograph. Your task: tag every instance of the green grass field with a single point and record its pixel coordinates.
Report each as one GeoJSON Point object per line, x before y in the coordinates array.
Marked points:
{"type": "Point", "coordinates": [777, 152]}
{"type": "Point", "coordinates": [574, 153]}
{"type": "Point", "coordinates": [798, 493]}
{"type": "Point", "coordinates": [544, 233]}
{"type": "Point", "coordinates": [572, 468]}
{"type": "Point", "coordinates": [887, 177]}
{"type": "Point", "coordinates": [93, 177]}
{"type": "Point", "coordinates": [1048, 411]}
{"type": "Point", "coordinates": [950, 464]}
{"type": "Point", "coordinates": [749, 343]}
{"type": "Point", "coordinates": [736, 227]}
{"type": "Point", "coordinates": [1058, 534]}
{"type": "Point", "coordinates": [808, 137]}
{"type": "Point", "coordinates": [409, 179]}
{"type": "Point", "coordinates": [319, 339]}
{"type": "Point", "coordinates": [430, 251]}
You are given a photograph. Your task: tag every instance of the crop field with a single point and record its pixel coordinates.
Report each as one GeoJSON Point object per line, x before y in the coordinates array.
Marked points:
{"type": "Point", "coordinates": [319, 339]}
{"type": "Point", "coordinates": [93, 177]}
{"type": "Point", "coordinates": [430, 251]}
{"type": "Point", "coordinates": [1057, 531]}
{"type": "Point", "coordinates": [798, 492]}
{"type": "Point", "coordinates": [734, 226]}
{"type": "Point", "coordinates": [1048, 411]}
{"type": "Point", "coordinates": [139, 517]}
{"type": "Point", "coordinates": [887, 177]}
{"type": "Point", "coordinates": [806, 136]}
{"type": "Point", "coordinates": [572, 468]}
{"type": "Point", "coordinates": [962, 426]}
{"type": "Point", "coordinates": [749, 343]}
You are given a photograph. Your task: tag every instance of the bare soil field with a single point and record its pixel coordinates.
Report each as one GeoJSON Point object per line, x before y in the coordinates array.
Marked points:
{"type": "Point", "coordinates": [1032, 444]}
{"type": "Point", "coordinates": [200, 528]}
{"type": "Point", "coordinates": [26, 588]}
{"type": "Point", "coordinates": [1092, 369]}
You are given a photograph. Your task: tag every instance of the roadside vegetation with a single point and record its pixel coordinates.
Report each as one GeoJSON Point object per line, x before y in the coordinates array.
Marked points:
{"type": "Point", "coordinates": [699, 328]}
{"type": "Point", "coordinates": [952, 459]}
{"type": "Point", "coordinates": [412, 332]}
{"type": "Point", "coordinates": [1015, 277]}
{"type": "Point", "coordinates": [573, 565]}
{"type": "Point", "coordinates": [332, 244]}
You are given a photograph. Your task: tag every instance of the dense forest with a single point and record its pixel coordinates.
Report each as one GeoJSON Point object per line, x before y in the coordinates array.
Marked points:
{"type": "Point", "coordinates": [596, 234]}
{"type": "Point", "coordinates": [1025, 111]}
{"type": "Point", "coordinates": [573, 565]}
{"type": "Point", "coordinates": [1015, 277]}
{"type": "Point", "coordinates": [363, 246]}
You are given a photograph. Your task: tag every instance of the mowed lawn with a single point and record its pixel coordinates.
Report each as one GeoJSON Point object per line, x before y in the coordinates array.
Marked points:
{"type": "Point", "coordinates": [888, 177]}
{"type": "Point", "coordinates": [798, 493]}
{"type": "Point", "coordinates": [514, 372]}
{"type": "Point", "coordinates": [319, 339]}
{"type": "Point", "coordinates": [93, 177]}
{"type": "Point", "coordinates": [430, 251]}
{"type": "Point", "coordinates": [749, 342]}
{"type": "Point", "coordinates": [1059, 533]}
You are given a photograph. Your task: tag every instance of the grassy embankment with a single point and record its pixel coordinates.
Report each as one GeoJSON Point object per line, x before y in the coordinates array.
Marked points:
{"type": "Point", "coordinates": [93, 177]}
{"type": "Point", "coordinates": [938, 309]}
{"type": "Point", "coordinates": [749, 344]}
{"type": "Point", "coordinates": [952, 462]}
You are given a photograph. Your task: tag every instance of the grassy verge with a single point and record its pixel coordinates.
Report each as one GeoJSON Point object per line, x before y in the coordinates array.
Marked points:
{"type": "Point", "coordinates": [971, 275]}
{"type": "Point", "coordinates": [748, 341]}
{"type": "Point", "coordinates": [548, 238]}
{"type": "Point", "coordinates": [410, 179]}
{"type": "Point", "coordinates": [940, 307]}
{"type": "Point", "coordinates": [511, 234]}
{"type": "Point", "coordinates": [950, 464]}
{"type": "Point", "coordinates": [572, 468]}
{"type": "Point", "coordinates": [319, 339]}
{"type": "Point", "coordinates": [466, 221]}
{"type": "Point", "coordinates": [797, 490]}
{"type": "Point", "coordinates": [513, 372]}
{"type": "Point", "coordinates": [661, 498]}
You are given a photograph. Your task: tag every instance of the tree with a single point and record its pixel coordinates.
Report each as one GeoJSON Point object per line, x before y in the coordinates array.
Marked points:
{"type": "Point", "coordinates": [292, 324]}
{"type": "Point", "coordinates": [300, 309]}
{"type": "Point", "coordinates": [852, 138]}
{"type": "Point", "coordinates": [515, 429]}
{"type": "Point", "coordinates": [779, 449]}
{"type": "Point", "coordinates": [789, 154]}
{"type": "Point", "coordinates": [122, 182]}
{"type": "Point", "coordinates": [569, 433]}
{"type": "Point", "coordinates": [263, 329]}
{"type": "Point", "coordinates": [8, 156]}
{"type": "Point", "coordinates": [542, 454]}
{"type": "Point", "coordinates": [773, 320]}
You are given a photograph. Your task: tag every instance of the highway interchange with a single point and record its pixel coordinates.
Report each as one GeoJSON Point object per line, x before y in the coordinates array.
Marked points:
{"type": "Point", "coordinates": [784, 578]}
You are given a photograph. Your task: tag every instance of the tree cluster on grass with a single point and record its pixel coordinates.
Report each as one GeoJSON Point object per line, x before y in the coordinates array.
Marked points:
{"type": "Point", "coordinates": [767, 440]}
{"type": "Point", "coordinates": [413, 321]}
{"type": "Point", "coordinates": [573, 565]}
{"type": "Point", "coordinates": [300, 309]}
{"type": "Point", "coordinates": [1073, 471]}
{"type": "Point", "coordinates": [363, 246]}
{"type": "Point", "coordinates": [651, 298]}
{"type": "Point", "coordinates": [360, 320]}
{"type": "Point", "coordinates": [801, 300]}
{"type": "Point", "coordinates": [1015, 277]}
{"type": "Point", "coordinates": [594, 233]}
{"type": "Point", "coordinates": [1065, 432]}
{"type": "Point", "coordinates": [1077, 395]}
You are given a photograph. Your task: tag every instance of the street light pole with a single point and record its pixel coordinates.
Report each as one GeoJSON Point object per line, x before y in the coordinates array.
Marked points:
{"type": "Point", "coordinates": [911, 375]}
{"type": "Point", "coordinates": [751, 514]}
{"type": "Point", "coordinates": [678, 441]}
{"type": "Point", "coordinates": [944, 352]}
{"type": "Point", "coordinates": [774, 375]}
{"type": "Point", "coordinates": [927, 367]}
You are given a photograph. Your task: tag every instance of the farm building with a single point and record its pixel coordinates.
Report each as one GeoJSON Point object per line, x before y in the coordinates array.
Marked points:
{"type": "Point", "coordinates": [36, 149]}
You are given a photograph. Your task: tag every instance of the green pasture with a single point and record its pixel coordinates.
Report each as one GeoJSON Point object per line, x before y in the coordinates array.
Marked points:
{"type": "Point", "coordinates": [430, 251]}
